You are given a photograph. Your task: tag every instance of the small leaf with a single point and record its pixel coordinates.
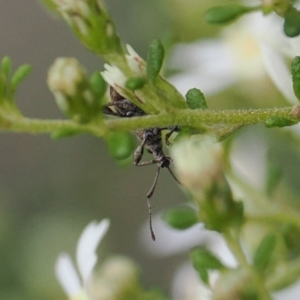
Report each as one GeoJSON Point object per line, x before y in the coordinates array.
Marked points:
{"type": "Point", "coordinates": [203, 273]}
{"type": "Point", "coordinates": [195, 99]}
{"type": "Point", "coordinates": [98, 84]}
{"type": "Point", "coordinates": [264, 252]}
{"type": "Point", "coordinates": [3, 86]}
{"type": "Point", "coordinates": [225, 13]}
{"type": "Point", "coordinates": [291, 26]}
{"type": "Point", "coordinates": [120, 145]}
{"type": "Point", "coordinates": [155, 59]}
{"type": "Point", "coordinates": [180, 218]}
{"type": "Point", "coordinates": [273, 177]}
{"type": "Point", "coordinates": [6, 65]}
{"type": "Point", "coordinates": [278, 122]}
{"type": "Point", "coordinates": [19, 75]}
{"type": "Point", "coordinates": [135, 83]}
{"type": "Point", "coordinates": [238, 219]}
{"type": "Point", "coordinates": [295, 69]}
{"type": "Point", "coordinates": [202, 258]}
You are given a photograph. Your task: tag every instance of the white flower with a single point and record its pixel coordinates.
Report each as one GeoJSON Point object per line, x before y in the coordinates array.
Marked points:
{"type": "Point", "coordinates": [86, 259]}
{"type": "Point", "coordinates": [171, 241]}
{"type": "Point", "coordinates": [135, 62]}
{"type": "Point", "coordinates": [114, 76]}
{"type": "Point", "coordinates": [187, 285]}
{"type": "Point", "coordinates": [246, 49]}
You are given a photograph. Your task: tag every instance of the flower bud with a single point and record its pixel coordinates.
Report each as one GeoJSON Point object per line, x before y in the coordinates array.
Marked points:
{"type": "Point", "coordinates": [72, 90]}
{"type": "Point", "coordinates": [199, 168]}
{"type": "Point", "coordinates": [117, 279]}
{"type": "Point", "coordinates": [198, 163]}
{"type": "Point", "coordinates": [92, 24]}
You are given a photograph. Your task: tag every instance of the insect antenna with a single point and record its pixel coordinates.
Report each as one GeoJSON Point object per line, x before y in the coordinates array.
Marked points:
{"type": "Point", "coordinates": [149, 195]}
{"type": "Point", "coordinates": [173, 175]}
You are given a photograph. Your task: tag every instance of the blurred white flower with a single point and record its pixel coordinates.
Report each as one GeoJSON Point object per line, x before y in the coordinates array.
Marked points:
{"type": "Point", "coordinates": [198, 163]}
{"type": "Point", "coordinates": [86, 259]}
{"type": "Point", "coordinates": [247, 49]}
{"type": "Point", "coordinates": [291, 293]}
{"type": "Point", "coordinates": [187, 285]}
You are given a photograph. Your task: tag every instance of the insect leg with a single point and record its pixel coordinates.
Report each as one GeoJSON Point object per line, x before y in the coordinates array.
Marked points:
{"type": "Point", "coordinates": [173, 175]}
{"type": "Point", "coordinates": [149, 195]}
{"type": "Point", "coordinates": [108, 111]}
{"type": "Point", "coordinates": [138, 154]}
{"type": "Point", "coordinates": [168, 135]}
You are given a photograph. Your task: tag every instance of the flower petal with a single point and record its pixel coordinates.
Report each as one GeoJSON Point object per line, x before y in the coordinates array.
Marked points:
{"type": "Point", "coordinates": [114, 76]}
{"type": "Point", "coordinates": [279, 72]}
{"type": "Point", "coordinates": [187, 285]}
{"type": "Point", "coordinates": [206, 65]}
{"type": "Point", "coordinates": [87, 245]}
{"type": "Point", "coordinates": [67, 275]}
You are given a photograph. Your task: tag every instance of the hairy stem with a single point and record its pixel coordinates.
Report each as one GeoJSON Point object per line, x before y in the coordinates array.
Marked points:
{"type": "Point", "coordinates": [182, 117]}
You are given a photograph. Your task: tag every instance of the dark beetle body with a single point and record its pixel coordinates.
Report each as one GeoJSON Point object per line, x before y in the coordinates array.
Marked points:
{"type": "Point", "coordinates": [150, 138]}
{"type": "Point", "coordinates": [123, 107]}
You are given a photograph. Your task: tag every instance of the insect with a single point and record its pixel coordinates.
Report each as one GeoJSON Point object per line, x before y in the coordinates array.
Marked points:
{"type": "Point", "coordinates": [150, 138]}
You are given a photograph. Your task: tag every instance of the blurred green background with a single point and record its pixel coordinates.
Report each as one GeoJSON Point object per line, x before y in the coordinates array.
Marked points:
{"type": "Point", "coordinates": [50, 190]}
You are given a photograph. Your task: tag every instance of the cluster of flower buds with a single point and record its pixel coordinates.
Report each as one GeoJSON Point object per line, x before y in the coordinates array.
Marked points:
{"type": "Point", "coordinates": [200, 168]}
{"type": "Point", "coordinates": [93, 25]}
{"type": "Point", "coordinates": [76, 95]}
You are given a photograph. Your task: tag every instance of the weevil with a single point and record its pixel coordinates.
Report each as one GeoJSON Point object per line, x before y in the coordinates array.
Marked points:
{"type": "Point", "coordinates": [150, 138]}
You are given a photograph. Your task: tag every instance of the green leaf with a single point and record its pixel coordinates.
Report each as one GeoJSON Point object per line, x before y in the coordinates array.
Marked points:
{"type": "Point", "coordinates": [238, 218]}
{"type": "Point", "coordinates": [6, 65]}
{"type": "Point", "coordinates": [291, 26]}
{"type": "Point", "coordinates": [135, 83]}
{"type": "Point", "coordinates": [295, 69]}
{"type": "Point", "coordinates": [155, 59]}
{"type": "Point", "coordinates": [273, 177]}
{"type": "Point", "coordinates": [264, 252]}
{"type": "Point", "coordinates": [120, 145]}
{"type": "Point", "coordinates": [19, 75]}
{"type": "Point", "coordinates": [180, 218]}
{"type": "Point", "coordinates": [98, 84]}
{"type": "Point", "coordinates": [3, 86]}
{"type": "Point", "coordinates": [195, 99]}
{"type": "Point", "coordinates": [203, 258]}
{"type": "Point", "coordinates": [278, 122]}
{"type": "Point", "coordinates": [49, 4]}
{"type": "Point", "coordinates": [203, 273]}
{"type": "Point", "coordinates": [225, 13]}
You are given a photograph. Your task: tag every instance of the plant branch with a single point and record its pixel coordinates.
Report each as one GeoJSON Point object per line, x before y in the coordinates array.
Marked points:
{"type": "Point", "coordinates": [200, 117]}
{"type": "Point", "coordinates": [183, 117]}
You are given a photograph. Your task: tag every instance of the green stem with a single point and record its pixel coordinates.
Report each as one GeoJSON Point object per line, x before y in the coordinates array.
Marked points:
{"type": "Point", "coordinates": [37, 126]}
{"type": "Point", "coordinates": [233, 242]}
{"type": "Point", "coordinates": [196, 118]}
{"type": "Point", "coordinates": [9, 121]}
